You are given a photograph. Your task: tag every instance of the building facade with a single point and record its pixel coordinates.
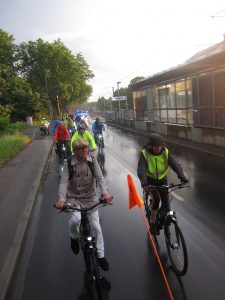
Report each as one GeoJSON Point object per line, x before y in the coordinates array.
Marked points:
{"type": "Point", "coordinates": [187, 101]}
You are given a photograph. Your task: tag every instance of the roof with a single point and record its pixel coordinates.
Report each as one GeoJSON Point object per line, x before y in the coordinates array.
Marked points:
{"type": "Point", "coordinates": [212, 58]}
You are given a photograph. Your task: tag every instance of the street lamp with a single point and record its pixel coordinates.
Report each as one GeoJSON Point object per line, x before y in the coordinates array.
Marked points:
{"type": "Point", "coordinates": [118, 93]}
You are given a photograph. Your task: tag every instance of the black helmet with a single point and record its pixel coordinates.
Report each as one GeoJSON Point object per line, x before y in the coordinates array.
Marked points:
{"type": "Point", "coordinates": [155, 139]}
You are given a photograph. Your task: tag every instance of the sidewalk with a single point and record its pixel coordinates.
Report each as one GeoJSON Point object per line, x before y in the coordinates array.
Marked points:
{"type": "Point", "coordinates": [205, 148]}
{"type": "Point", "coordinates": [20, 179]}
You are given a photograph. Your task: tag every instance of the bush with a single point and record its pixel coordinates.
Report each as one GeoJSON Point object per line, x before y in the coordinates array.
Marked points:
{"type": "Point", "coordinates": [4, 123]}
{"type": "Point", "coordinates": [18, 126]}
{"type": "Point", "coordinates": [10, 128]}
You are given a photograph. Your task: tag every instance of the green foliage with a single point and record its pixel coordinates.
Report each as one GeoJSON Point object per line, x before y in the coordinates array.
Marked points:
{"type": "Point", "coordinates": [6, 49]}
{"type": "Point", "coordinates": [53, 70]}
{"type": "Point", "coordinates": [4, 123]}
{"type": "Point", "coordinates": [5, 110]}
{"type": "Point", "coordinates": [34, 74]}
{"type": "Point", "coordinates": [6, 127]}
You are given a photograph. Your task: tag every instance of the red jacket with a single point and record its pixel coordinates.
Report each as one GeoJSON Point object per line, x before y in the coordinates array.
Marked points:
{"type": "Point", "coordinates": [61, 133]}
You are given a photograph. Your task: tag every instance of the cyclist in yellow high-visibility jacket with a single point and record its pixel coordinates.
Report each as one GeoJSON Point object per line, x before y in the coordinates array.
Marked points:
{"type": "Point", "coordinates": [154, 165]}
{"type": "Point", "coordinates": [84, 134]}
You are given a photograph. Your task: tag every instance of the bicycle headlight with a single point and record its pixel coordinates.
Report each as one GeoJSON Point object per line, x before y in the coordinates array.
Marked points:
{"type": "Point", "coordinates": [171, 215]}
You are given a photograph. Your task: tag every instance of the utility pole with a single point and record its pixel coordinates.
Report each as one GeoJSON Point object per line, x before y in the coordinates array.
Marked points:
{"type": "Point", "coordinates": [118, 92]}
{"type": "Point", "coordinates": [112, 96]}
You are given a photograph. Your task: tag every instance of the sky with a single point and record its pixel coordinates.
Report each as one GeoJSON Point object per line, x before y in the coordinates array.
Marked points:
{"type": "Point", "coordinates": [119, 39]}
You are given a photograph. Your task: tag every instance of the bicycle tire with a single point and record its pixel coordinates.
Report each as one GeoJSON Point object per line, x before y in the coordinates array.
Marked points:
{"type": "Point", "coordinates": [100, 146]}
{"type": "Point", "coordinates": [93, 274]}
{"type": "Point", "coordinates": [179, 260]}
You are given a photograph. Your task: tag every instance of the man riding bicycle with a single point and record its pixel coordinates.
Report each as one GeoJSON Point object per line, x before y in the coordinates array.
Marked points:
{"type": "Point", "coordinates": [154, 165]}
{"type": "Point", "coordinates": [82, 133]}
{"type": "Point", "coordinates": [98, 127]}
{"type": "Point", "coordinates": [62, 136]}
{"type": "Point", "coordinates": [77, 185]}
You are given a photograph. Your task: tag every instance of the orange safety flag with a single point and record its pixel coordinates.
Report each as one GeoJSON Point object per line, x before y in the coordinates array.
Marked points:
{"type": "Point", "coordinates": [134, 198]}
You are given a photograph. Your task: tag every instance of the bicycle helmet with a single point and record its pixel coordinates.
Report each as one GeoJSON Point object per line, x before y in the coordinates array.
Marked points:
{"type": "Point", "coordinates": [80, 127]}
{"type": "Point", "coordinates": [155, 140]}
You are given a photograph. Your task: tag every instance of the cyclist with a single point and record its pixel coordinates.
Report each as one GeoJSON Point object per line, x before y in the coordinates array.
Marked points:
{"type": "Point", "coordinates": [77, 118]}
{"type": "Point", "coordinates": [62, 136]}
{"type": "Point", "coordinates": [70, 126]}
{"type": "Point", "coordinates": [82, 133]}
{"type": "Point", "coordinates": [154, 165]}
{"type": "Point", "coordinates": [57, 122]}
{"type": "Point", "coordinates": [98, 127]}
{"type": "Point", "coordinates": [44, 125]}
{"type": "Point", "coordinates": [77, 185]}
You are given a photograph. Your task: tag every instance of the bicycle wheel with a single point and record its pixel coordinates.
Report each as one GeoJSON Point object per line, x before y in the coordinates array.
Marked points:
{"type": "Point", "coordinates": [176, 248]}
{"type": "Point", "coordinates": [93, 275]}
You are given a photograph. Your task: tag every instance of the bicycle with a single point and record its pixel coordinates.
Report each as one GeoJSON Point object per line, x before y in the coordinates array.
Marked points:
{"type": "Point", "coordinates": [166, 218]}
{"type": "Point", "coordinates": [99, 140]}
{"type": "Point", "coordinates": [88, 246]}
{"type": "Point", "coordinates": [63, 151]}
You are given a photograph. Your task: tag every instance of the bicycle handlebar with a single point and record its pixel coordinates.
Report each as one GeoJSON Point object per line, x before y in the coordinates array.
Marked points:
{"type": "Point", "coordinates": [70, 207]}
{"type": "Point", "coordinates": [168, 187]}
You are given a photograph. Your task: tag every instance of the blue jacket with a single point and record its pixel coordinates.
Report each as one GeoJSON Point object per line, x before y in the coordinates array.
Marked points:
{"type": "Point", "coordinates": [98, 126]}
{"type": "Point", "coordinates": [57, 122]}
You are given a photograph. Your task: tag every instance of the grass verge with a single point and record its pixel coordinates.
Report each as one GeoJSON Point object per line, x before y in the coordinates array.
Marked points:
{"type": "Point", "coordinates": [10, 145]}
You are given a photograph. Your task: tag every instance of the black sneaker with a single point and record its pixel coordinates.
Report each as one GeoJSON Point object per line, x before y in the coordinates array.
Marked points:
{"type": "Point", "coordinates": [103, 264]}
{"type": "Point", "coordinates": [75, 246]}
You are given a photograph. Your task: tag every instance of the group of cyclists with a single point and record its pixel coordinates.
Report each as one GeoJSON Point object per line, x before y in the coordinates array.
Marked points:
{"type": "Point", "coordinates": [78, 181]}
{"type": "Point", "coordinates": [66, 131]}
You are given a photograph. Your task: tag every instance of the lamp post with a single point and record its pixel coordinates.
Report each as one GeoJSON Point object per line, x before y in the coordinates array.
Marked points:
{"type": "Point", "coordinates": [118, 92]}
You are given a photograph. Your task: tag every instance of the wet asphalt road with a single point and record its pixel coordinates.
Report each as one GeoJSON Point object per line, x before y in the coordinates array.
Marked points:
{"type": "Point", "coordinates": [50, 270]}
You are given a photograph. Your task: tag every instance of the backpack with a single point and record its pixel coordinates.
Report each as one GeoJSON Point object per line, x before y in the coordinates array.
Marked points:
{"type": "Point", "coordinates": [71, 170]}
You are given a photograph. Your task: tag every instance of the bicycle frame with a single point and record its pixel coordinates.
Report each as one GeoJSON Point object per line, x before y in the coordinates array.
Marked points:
{"type": "Point", "coordinates": [166, 218]}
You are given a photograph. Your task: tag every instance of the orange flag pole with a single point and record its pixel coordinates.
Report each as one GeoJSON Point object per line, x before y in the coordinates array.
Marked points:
{"type": "Point", "coordinates": [135, 199]}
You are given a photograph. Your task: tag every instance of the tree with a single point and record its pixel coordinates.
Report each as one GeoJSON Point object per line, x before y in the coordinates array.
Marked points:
{"type": "Point", "coordinates": [53, 70]}
{"type": "Point", "coordinates": [7, 49]}
{"type": "Point", "coordinates": [16, 97]}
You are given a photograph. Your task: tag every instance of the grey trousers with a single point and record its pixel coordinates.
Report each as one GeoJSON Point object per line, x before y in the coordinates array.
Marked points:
{"type": "Point", "coordinates": [74, 225]}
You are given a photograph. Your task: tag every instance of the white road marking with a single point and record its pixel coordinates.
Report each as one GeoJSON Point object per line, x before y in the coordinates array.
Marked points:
{"type": "Point", "coordinates": [177, 196]}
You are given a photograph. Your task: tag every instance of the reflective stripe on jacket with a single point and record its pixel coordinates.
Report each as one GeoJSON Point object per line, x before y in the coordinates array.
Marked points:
{"type": "Point", "coordinates": [158, 166]}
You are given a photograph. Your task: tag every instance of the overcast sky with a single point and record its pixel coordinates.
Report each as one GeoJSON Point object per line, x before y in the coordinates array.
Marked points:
{"type": "Point", "coordinates": [119, 39]}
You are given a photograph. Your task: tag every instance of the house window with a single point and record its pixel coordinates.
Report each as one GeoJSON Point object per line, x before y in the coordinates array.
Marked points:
{"type": "Point", "coordinates": [171, 100]}
{"type": "Point", "coordinates": [181, 94]}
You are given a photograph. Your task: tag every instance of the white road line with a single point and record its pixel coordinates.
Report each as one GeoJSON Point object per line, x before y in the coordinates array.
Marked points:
{"type": "Point", "coordinates": [177, 196]}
